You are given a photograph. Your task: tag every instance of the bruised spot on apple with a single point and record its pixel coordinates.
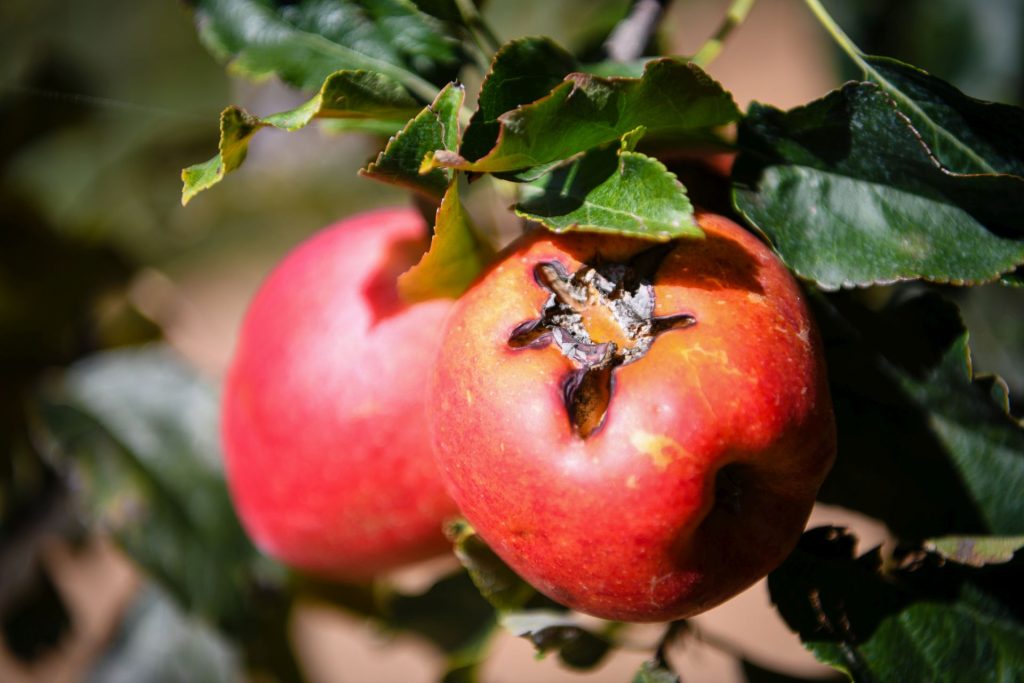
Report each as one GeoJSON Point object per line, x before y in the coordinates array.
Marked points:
{"type": "Point", "coordinates": [649, 425]}
{"type": "Point", "coordinates": [326, 442]}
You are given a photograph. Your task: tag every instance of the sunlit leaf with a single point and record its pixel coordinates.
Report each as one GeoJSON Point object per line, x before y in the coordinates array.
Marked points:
{"type": "Point", "coordinates": [435, 127]}
{"type": "Point", "coordinates": [612, 190]}
{"type": "Point", "coordinates": [522, 71]}
{"type": "Point", "coordinates": [352, 95]}
{"type": "Point", "coordinates": [586, 111]}
{"type": "Point", "coordinates": [976, 551]}
{"type": "Point", "coordinates": [455, 257]}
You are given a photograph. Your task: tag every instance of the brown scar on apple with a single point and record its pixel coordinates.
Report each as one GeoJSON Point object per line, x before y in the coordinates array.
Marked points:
{"type": "Point", "coordinates": [600, 317]}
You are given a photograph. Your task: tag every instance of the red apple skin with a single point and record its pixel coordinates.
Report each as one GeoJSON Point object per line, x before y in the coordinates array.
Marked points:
{"type": "Point", "coordinates": [327, 448]}
{"type": "Point", "coordinates": [624, 524]}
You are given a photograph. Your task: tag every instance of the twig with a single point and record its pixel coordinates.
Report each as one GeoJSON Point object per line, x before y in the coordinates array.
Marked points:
{"type": "Point", "coordinates": [674, 630]}
{"type": "Point", "coordinates": [477, 26]}
{"type": "Point", "coordinates": [738, 11]}
{"type": "Point", "coordinates": [629, 38]}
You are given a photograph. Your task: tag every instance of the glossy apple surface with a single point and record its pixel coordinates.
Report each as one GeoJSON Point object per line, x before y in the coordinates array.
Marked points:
{"type": "Point", "coordinates": [327, 450]}
{"type": "Point", "coordinates": [677, 477]}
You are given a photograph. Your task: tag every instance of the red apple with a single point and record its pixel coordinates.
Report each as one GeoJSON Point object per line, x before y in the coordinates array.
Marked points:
{"type": "Point", "coordinates": [328, 454]}
{"type": "Point", "coordinates": [638, 431]}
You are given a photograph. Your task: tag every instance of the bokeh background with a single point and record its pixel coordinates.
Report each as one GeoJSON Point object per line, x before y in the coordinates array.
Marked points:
{"type": "Point", "coordinates": [103, 102]}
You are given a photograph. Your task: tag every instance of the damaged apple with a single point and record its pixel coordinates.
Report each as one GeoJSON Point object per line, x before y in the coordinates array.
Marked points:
{"type": "Point", "coordinates": [639, 431]}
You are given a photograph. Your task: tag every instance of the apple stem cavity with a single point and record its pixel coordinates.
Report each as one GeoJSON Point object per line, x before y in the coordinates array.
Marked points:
{"type": "Point", "coordinates": [600, 317]}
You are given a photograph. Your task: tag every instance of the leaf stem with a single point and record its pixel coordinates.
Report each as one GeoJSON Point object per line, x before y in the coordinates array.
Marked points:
{"type": "Point", "coordinates": [631, 35]}
{"type": "Point", "coordinates": [736, 15]}
{"type": "Point", "coordinates": [838, 34]}
{"type": "Point", "coordinates": [477, 25]}
{"type": "Point", "coordinates": [672, 631]}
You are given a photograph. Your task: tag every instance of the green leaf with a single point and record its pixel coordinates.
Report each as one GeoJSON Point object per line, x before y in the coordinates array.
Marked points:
{"type": "Point", "coordinates": [850, 195]}
{"type": "Point", "coordinates": [360, 95]}
{"type": "Point", "coordinates": [549, 631]}
{"type": "Point", "coordinates": [435, 127]}
{"type": "Point", "coordinates": [923, 446]}
{"type": "Point", "coordinates": [451, 614]}
{"type": "Point", "coordinates": [454, 259]}
{"type": "Point", "coordinates": [501, 586]}
{"type": "Point", "coordinates": [304, 42]}
{"type": "Point", "coordinates": [966, 134]}
{"type": "Point", "coordinates": [522, 71]}
{"type": "Point", "coordinates": [612, 68]}
{"type": "Point", "coordinates": [446, 10]}
{"type": "Point", "coordinates": [237, 126]}
{"type": "Point", "coordinates": [586, 111]}
{"type": "Point", "coordinates": [139, 431]}
{"type": "Point", "coordinates": [157, 643]}
{"type": "Point", "coordinates": [615, 191]}
{"type": "Point", "coordinates": [976, 551]}
{"type": "Point", "coordinates": [653, 672]}
{"type": "Point", "coordinates": [754, 673]}
{"type": "Point", "coordinates": [924, 621]}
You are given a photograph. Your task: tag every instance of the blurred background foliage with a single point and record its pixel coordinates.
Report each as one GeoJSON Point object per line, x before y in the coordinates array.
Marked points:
{"type": "Point", "coordinates": [101, 104]}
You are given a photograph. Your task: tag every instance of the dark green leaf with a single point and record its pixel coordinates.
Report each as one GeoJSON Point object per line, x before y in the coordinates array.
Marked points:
{"type": "Point", "coordinates": [304, 42]}
{"type": "Point", "coordinates": [367, 98]}
{"type": "Point", "coordinates": [976, 551]}
{"type": "Point", "coordinates": [435, 127]}
{"type": "Point", "coordinates": [501, 586]}
{"type": "Point", "coordinates": [451, 614]}
{"type": "Point", "coordinates": [753, 673]}
{"type": "Point", "coordinates": [586, 111]}
{"type": "Point", "coordinates": [522, 71]}
{"type": "Point", "coordinates": [610, 190]}
{"type": "Point", "coordinates": [446, 10]}
{"type": "Point", "coordinates": [1014, 279]}
{"type": "Point", "coordinates": [139, 431]}
{"type": "Point", "coordinates": [157, 643]}
{"type": "Point", "coordinates": [653, 672]}
{"type": "Point", "coordinates": [363, 599]}
{"type": "Point", "coordinates": [466, 673]}
{"type": "Point", "coordinates": [966, 134]}
{"type": "Point", "coordinates": [922, 445]}
{"type": "Point", "coordinates": [850, 196]}
{"type": "Point", "coordinates": [925, 621]}
{"type": "Point", "coordinates": [560, 632]}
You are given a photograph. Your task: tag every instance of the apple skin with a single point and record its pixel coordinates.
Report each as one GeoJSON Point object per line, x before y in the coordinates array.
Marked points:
{"type": "Point", "coordinates": [328, 454]}
{"type": "Point", "coordinates": [625, 524]}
